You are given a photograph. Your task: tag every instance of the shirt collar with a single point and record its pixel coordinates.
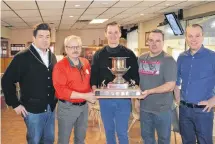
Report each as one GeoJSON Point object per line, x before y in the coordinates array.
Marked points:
{"type": "Point", "coordinates": [200, 51]}
{"type": "Point", "coordinates": [158, 56]}
{"type": "Point", "coordinates": [40, 51]}
{"type": "Point", "coordinates": [73, 65]}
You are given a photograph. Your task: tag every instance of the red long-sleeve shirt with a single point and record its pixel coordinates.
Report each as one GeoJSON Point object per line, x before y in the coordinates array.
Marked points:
{"type": "Point", "coordinates": [68, 78]}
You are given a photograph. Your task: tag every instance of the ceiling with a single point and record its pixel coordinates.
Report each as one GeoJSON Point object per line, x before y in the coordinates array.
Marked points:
{"type": "Point", "coordinates": [27, 13]}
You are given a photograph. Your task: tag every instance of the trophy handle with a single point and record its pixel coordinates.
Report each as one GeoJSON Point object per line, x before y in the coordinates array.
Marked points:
{"type": "Point", "coordinates": [127, 69]}
{"type": "Point", "coordinates": [109, 69]}
{"type": "Point", "coordinates": [132, 84]}
{"type": "Point", "coordinates": [103, 84]}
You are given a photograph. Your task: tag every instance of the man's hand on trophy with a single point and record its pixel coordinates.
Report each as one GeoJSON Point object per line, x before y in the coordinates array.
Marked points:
{"type": "Point", "coordinates": [91, 97]}
{"type": "Point", "coordinates": [144, 94]}
{"type": "Point", "coordinates": [94, 88]}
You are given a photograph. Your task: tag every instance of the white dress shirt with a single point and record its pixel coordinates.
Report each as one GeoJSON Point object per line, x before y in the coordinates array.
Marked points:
{"type": "Point", "coordinates": [44, 55]}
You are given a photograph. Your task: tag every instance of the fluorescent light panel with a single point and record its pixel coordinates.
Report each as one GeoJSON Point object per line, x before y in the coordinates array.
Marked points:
{"type": "Point", "coordinates": [97, 21]}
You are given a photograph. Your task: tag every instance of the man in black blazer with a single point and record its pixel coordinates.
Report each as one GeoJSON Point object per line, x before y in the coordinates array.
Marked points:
{"type": "Point", "coordinates": [32, 69]}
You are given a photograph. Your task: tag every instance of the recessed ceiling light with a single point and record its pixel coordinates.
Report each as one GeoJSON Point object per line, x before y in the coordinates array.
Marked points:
{"type": "Point", "coordinates": [141, 14]}
{"type": "Point", "coordinates": [96, 21]}
{"type": "Point", "coordinates": [77, 5]}
{"type": "Point", "coordinates": [71, 16]}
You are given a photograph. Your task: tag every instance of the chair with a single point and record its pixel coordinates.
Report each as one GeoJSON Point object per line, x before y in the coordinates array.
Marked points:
{"type": "Point", "coordinates": [175, 121]}
{"type": "Point", "coordinates": [94, 112]}
{"type": "Point", "coordinates": [136, 117]}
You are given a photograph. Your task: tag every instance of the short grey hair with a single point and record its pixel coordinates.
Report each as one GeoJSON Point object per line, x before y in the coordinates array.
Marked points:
{"type": "Point", "coordinates": [71, 38]}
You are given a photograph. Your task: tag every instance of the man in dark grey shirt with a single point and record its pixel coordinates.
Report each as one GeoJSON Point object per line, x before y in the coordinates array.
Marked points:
{"type": "Point", "coordinates": [157, 71]}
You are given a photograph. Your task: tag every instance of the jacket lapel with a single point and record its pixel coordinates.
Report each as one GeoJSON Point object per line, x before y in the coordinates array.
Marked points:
{"type": "Point", "coordinates": [33, 50]}
{"type": "Point", "coordinates": [50, 57]}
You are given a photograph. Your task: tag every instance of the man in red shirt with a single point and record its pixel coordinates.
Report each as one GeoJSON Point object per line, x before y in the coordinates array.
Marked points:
{"type": "Point", "coordinates": [71, 79]}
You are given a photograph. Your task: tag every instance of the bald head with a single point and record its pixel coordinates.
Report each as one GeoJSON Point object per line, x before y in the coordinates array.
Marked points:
{"type": "Point", "coordinates": [194, 36]}
{"type": "Point", "coordinates": [195, 26]}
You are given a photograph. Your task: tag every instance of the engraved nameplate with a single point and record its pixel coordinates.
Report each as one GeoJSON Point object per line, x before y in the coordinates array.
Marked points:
{"type": "Point", "coordinates": [117, 92]}
{"type": "Point", "coordinates": [117, 86]}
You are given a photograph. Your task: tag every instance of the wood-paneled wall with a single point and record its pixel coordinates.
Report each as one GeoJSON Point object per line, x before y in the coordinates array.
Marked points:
{"type": "Point", "coordinates": [4, 63]}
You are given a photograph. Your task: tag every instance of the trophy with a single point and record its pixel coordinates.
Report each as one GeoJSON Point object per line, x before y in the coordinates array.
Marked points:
{"type": "Point", "coordinates": [118, 87]}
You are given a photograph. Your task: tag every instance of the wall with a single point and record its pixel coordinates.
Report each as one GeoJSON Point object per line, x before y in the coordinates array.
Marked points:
{"type": "Point", "coordinates": [87, 37]}
{"type": "Point", "coordinates": [132, 40]}
{"type": "Point", "coordinates": [23, 36]}
{"type": "Point", "coordinates": [146, 27]}
{"type": "Point", "coordinates": [5, 32]}
{"type": "Point", "coordinates": [190, 13]}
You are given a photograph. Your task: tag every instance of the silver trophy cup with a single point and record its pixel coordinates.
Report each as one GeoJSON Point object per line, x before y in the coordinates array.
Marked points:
{"type": "Point", "coordinates": [119, 69]}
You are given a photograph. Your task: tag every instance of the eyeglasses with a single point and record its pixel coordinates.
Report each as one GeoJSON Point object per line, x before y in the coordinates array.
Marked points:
{"type": "Point", "coordinates": [74, 47]}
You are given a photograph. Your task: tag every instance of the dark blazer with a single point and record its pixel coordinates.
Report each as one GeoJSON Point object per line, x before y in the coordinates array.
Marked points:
{"type": "Point", "coordinates": [34, 78]}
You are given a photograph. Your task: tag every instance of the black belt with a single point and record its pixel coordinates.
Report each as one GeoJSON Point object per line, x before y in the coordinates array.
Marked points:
{"type": "Point", "coordinates": [191, 105]}
{"type": "Point", "coordinates": [77, 104]}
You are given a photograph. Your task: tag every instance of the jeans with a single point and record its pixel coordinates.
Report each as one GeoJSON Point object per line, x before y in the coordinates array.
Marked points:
{"type": "Point", "coordinates": [161, 122]}
{"type": "Point", "coordinates": [40, 127]}
{"type": "Point", "coordinates": [115, 115]}
{"type": "Point", "coordinates": [194, 123]}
